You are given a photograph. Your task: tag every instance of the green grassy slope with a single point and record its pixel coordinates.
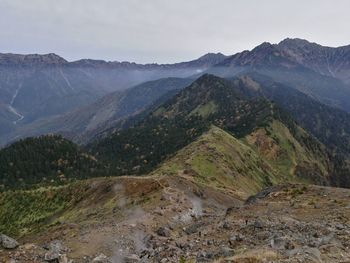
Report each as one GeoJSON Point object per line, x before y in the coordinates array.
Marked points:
{"type": "Point", "coordinates": [223, 162]}
{"type": "Point", "coordinates": [216, 160]}
{"type": "Point", "coordinates": [267, 156]}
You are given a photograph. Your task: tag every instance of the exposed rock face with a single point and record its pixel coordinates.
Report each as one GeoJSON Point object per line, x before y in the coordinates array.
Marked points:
{"type": "Point", "coordinates": [334, 62]}
{"type": "Point", "coordinates": [308, 67]}
{"type": "Point", "coordinates": [31, 60]}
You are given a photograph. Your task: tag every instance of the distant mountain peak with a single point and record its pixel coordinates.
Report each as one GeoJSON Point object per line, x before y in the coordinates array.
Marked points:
{"type": "Point", "coordinates": [209, 84]}
{"type": "Point", "coordinates": [206, 60]}
{"type": "Point", "coordinates": [263, 46]}
{"type": "Point", "coordinates": [265, 53]}
{"type": "Point", "coordinates": [207, 77]}
{"type": "Point", "coordinates": [296, 42]}
{"type": "Point", "coordinates": [212, 56]}
{"type": "Point", "coordinates": [31, 59]}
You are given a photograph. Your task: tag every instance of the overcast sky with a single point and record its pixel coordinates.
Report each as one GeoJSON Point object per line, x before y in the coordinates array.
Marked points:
{"type": "Point", "coordinates": [165, 30]}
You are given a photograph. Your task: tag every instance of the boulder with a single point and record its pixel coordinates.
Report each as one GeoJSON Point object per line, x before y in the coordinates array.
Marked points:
{"type": "Point", "coordinates": [258, 224]}
{"type": "Point", "coordinates": [101, 259]}
{"type": "Point", "coordinates": [278, 243]}
{"type": "Point", "coordinates": [8, 242]}
{"type": "Point", "coordinates": [55, 253]}
{"type": "Point", "coordinates": [163, 232]}
{"type": "Point", "coordinates": [192, 228]}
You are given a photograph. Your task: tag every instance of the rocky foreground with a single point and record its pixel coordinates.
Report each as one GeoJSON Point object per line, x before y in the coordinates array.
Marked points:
{"type": "Point", "coordinates": [174, 220]}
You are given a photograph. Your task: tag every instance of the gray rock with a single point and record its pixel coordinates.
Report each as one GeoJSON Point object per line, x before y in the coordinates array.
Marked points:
{"type": "Point", "coordinates": [52, 256]}
{"type": "Point", "coordinates": [262, 235]}
{"type": "Point", "coordinates": [132, 258]}
{"type": "Point", "coordinates": [210, 242]}
{"type": "Point", "coordinates": [235, 238]}
{"type": "Point", "coordinates": [201, 254]}
{"type": "Point", "coordinates": [226, 252]}
{"type": "Point", "coordinates": [192, 228]}
{"type": "Point", "coordinates": [8, 242]}
{"type": "Point", "coordinates": [64, 259]}
{"type": "Point", "coordinates": [204, 256]}
{"type": "Point", "coordinates": [101, 259]}
{"type": "Point", "coordinates": [183, 246]}
{"type": "Point", "coordinates": [226, 225]}
{"type": "Point", "coordinates": [313, 254]}
{"type": "Point", "coordinates": [55, 245]}
{"type": "Point", "coordinates": [326, 239]}
{"type": "Point", "coordinates": [339, 226]}
{"type": "Point", "coordinates": [56, 252]}
{"type": "Point", "coordinates": [278, 243]}
{"type": "Point", "coordinates": [163, 232]}
{"type": "Point", "coordinates": [258, 224]}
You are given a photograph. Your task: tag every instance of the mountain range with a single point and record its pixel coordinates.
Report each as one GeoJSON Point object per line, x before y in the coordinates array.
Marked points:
{"type": "Point", "coordinates": [36, 87]}
{"type": "Point", "coordinates": [152, 136]}
{"type": "Point", "coordinates": [47, 94]}
{"type": "Point", "coordinates": [220, 159]}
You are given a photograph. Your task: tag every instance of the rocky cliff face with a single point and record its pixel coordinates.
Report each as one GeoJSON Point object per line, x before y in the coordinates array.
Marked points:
{"type": "Point", "coordinates": [334, 62]}
{"type": "Point", "coordinates": [320, 72]}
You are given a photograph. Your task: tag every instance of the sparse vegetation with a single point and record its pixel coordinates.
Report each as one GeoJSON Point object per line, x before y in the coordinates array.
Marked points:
{"type": "Point", "coordinates": [24, 211]}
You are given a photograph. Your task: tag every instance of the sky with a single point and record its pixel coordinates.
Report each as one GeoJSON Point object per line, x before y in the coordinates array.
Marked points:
{"type": "Point", "coordinates": [165, 31]}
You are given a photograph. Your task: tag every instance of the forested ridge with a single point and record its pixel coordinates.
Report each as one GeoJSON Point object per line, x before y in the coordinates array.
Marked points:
{"type": "Point", "coordinates": [43, 160]}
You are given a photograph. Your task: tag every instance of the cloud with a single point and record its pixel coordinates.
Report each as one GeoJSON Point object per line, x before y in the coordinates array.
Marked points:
{"type": "Point", "coordinates": [164, 30]}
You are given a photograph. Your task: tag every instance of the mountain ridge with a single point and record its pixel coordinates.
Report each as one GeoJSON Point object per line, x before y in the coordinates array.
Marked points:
{"type": "Point", "coordinates": [38, 95]}
{"type": "Point", "coordinates": [12, 59]}
{"type": "Point", "coordinates": [209, 100]}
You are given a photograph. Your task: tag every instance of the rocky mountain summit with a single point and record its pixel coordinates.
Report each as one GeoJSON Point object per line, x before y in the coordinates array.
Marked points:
{"type": "Point", "coordinates": [328, 61]}
{"type": "Point", "coordinates": [32, 60]}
